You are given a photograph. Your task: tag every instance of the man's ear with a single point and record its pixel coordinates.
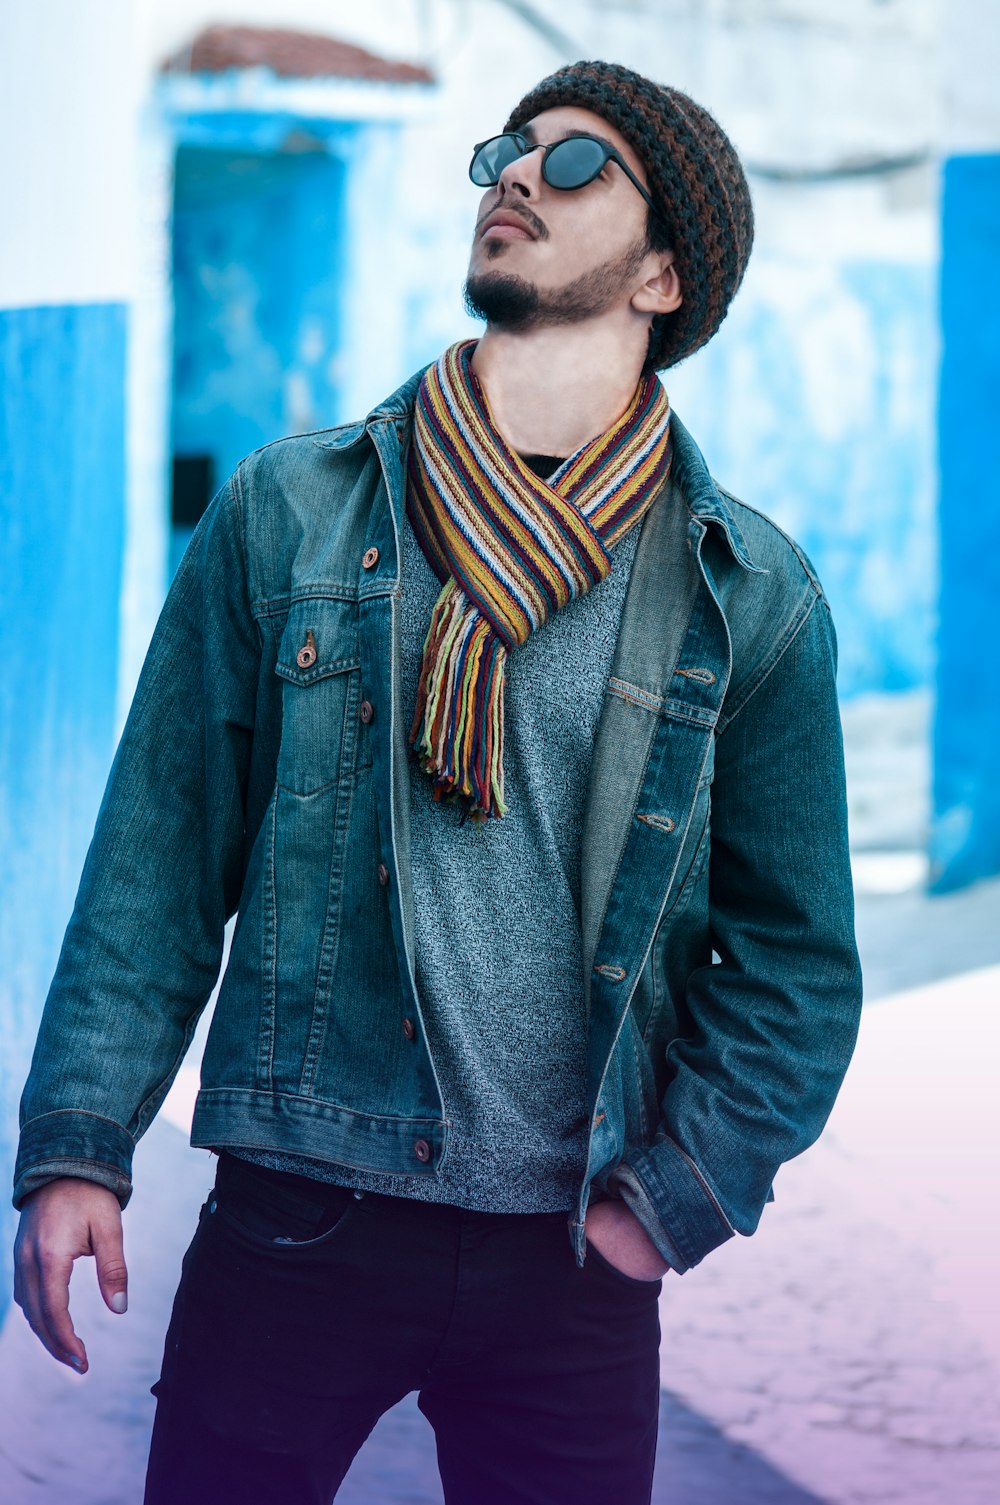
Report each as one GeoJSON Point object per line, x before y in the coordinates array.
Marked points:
{"type": "Point", "coordinates": [661, 293]}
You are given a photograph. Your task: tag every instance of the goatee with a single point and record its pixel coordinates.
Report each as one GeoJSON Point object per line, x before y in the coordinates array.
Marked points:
{"type": "Point", "coordinates": [509, 302]}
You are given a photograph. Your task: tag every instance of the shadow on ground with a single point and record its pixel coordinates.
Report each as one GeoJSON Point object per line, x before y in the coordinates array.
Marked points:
{"type": "Point", "coordinates": [694, 1461]}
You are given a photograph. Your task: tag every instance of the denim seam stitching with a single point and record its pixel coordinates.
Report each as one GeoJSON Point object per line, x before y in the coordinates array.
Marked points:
{"type": "Point", "coordinates": [709, 1193]}
{"type": "Point", "coordinates": [306, 677]}
{"type": "Point", "coordinates": [269, 952]}
{"type": "Point", "coordinates": [319, 1103]}
{"type": "Point", "coordinates": [330, 940]}
{"type": "Point", "coordinates": [666, 908]}
{"type": "Point", "coordinates": [275, 606]}
{"type": "Point", "coordinates": [661, 705]}
{"type": "Point", "coordinates": [240, 500]}
{"type": "Point", "coordinates": [623, 848]}
{"type": "Point", "coordinates": [86, 1113]}
{"type": "Point", "coordinates": [766, 666]}
{"type": "Point", "coordinates": [104, 1165]}
{"type": "Point", "coordinates": [796, 549]}
{"type": "Point", "coordinates": [689, 882]}
{"type": "Point", "coordinates": [638, 1058]}
{"type": "Point", "coordinates": [144, 1118]}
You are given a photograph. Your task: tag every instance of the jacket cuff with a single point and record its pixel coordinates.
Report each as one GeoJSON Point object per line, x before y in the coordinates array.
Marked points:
{"type": "Point", "coordinates": [628, 1187]}
{"type": "Point", "coordinates": [71, 1142]}
{"type": "Point", "coordinates": [665, 1186]}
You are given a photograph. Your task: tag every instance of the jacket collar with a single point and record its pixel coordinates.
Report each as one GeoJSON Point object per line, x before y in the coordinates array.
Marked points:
{"type": "Point", "coordinates": [397, 409]}
{"type": "Point", "coordinates": [704, 499]}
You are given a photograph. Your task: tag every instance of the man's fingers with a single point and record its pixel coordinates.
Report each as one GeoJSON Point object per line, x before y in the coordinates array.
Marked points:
{"type": "Point", "coordinates": [60, 1221]}
{"type": "Point", "coordinates": [109, 1255]}
{"type": "Point", "coordinates": [48, 1313]}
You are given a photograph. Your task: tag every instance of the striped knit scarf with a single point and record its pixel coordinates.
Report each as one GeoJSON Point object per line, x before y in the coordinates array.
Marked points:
{"type": "Point", "coordinates": [510, 549]}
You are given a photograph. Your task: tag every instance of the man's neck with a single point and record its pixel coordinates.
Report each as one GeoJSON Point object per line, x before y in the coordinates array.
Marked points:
{"type": "Point", "coordinates": [551, 390]}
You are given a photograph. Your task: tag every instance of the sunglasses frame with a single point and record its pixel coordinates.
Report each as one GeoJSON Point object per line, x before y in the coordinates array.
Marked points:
{"type": "Point", "coordinates": [609, 155]}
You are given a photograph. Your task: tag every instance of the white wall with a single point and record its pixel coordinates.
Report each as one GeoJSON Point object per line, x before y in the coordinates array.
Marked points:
{"type": "Point", "coordinates": [970, 63]}
{"type": "Point", "coordinates": [67, 170]}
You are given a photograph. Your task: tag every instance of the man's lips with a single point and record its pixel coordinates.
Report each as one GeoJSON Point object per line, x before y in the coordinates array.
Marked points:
{"type": "Point", "coordinates": [506, 226]}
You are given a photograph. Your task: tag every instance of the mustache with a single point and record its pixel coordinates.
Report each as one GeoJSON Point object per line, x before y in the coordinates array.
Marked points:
{"type": "Point", "coordinates": [522, 211]}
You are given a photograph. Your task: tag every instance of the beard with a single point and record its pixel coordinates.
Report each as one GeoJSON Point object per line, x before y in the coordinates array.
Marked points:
{"type": "Point", "coordinates": [509, 302]}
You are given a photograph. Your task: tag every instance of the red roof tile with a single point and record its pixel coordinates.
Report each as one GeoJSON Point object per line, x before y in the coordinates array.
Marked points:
{"type": "Point", "coordinates": [293, 54]}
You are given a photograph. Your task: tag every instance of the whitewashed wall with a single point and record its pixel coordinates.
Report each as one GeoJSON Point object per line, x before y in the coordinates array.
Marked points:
{"type": "Point", "coordinates": [69, 232]}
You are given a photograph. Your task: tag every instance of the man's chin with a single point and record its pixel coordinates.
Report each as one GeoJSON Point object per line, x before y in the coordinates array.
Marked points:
{"type": "Point", "coordinates": [501, 299]}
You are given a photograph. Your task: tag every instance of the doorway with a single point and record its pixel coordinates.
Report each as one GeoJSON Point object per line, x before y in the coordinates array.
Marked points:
{"type": "Point", "coordinates": [257, 273]}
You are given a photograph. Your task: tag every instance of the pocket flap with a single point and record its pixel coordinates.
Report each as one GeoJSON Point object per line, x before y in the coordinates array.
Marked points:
{"type": "Point", "coordinates": [320, 638]}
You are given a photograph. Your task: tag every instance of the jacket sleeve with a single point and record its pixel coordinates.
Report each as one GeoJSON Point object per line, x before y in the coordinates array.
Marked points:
{"type": "Point", "coordinates": [163, 874]}
{"type": "Point", "coordinates": [771, 1025]}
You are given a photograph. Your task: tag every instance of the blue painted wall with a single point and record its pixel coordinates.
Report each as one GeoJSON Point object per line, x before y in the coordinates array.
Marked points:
{"type": "Point", "coordinates": [965, 841]}
{"type": "Point", "coordinates": [814, 403]}
{"type": "Point", "coordinates": [62, 501]}
{"type": "Point", "coordinates": [257, 289]}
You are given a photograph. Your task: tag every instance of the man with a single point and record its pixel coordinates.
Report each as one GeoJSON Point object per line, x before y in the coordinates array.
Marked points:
{"type": "Point", "coordinates": [514, 741]}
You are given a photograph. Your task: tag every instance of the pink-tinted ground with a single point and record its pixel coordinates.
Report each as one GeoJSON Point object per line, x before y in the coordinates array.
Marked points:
{"type": "Point", "coordinates": [848, 1352]}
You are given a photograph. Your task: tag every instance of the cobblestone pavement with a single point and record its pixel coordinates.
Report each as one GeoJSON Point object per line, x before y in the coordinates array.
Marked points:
{"type": "Point", "coordinates": [847, 1354]}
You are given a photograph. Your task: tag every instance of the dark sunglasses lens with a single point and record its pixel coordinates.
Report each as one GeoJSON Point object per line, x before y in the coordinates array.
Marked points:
{"type": "Point", "coordinates": [491, 159]}
{"type": "Point", "coordinates": [574, 162]}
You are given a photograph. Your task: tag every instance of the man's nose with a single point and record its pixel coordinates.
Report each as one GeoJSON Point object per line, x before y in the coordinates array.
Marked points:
{"type": "Point", "coordinates": [524, 175]}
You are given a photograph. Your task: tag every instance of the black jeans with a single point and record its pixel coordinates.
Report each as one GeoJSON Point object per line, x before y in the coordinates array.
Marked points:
{"type": "Point", "coordinates": [305, 1311]}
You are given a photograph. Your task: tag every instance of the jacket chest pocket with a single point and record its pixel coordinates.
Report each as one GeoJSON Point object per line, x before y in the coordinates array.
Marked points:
{"type": "Point", "coordinates": [324, 736]}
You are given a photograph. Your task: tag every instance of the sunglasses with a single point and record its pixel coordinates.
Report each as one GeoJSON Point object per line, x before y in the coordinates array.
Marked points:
{"type": "Point", "coordinates": [570, 163]}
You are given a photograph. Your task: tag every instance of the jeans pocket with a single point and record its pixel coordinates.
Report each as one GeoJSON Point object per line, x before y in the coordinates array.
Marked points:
{"type": "Point", "coordinates": [603, 1266]}
{"type": "Point", "coordinates": [271, 1210]}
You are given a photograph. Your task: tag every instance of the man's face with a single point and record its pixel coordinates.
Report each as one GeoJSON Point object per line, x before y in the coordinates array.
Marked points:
{"type": "Point", "coordinates": [544, 255]}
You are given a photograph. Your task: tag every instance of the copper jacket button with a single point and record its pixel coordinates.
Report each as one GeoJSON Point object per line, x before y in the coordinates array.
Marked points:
{"type": "Point", "coordinates": [410, 1031]}
{"type": "Point", "coordinates": [370, 558]}
{"type": "Point", "coordinates": [422, 1150]}
{"type": "Point", "coordinates": [307, 655]}
{"type": "Point", "coordinates": [367, 711]}
{"type": "Point", "coordinates": [383, 874]}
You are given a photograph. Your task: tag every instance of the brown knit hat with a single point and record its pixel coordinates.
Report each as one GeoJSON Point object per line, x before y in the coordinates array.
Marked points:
{"type": "Point", "coordinates": [694, 174]}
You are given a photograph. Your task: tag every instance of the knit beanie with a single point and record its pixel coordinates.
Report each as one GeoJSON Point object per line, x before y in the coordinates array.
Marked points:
{"type": "Point", "coordinates": [695, 179]}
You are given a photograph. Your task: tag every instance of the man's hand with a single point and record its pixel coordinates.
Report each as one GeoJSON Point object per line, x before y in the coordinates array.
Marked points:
{"type": "Point", "coordinates": [60, 1221]}
{"type": "Point", "coordinates": [617, 1233]}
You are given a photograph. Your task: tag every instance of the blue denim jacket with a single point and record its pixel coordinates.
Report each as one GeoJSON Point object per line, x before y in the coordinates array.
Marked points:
{"type": "Point", "coordinates": [262, 771]}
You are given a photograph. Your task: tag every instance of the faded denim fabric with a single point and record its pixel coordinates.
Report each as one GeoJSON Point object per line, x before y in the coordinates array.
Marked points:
{"type": "Point", "coordinates": [722, 977]}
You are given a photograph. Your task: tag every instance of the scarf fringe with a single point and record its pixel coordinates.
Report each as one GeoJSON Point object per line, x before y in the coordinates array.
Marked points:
{"type": "Point", "coordinates": [457, 730]}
